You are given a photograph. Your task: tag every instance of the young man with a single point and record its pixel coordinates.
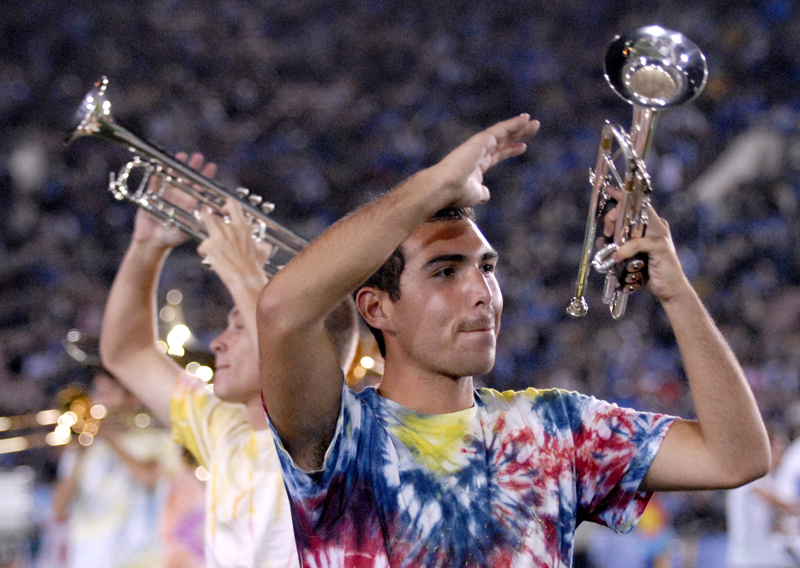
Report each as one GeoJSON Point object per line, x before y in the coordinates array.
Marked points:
{"type": "Point", "coordinates": [427, 471]}
{"type": "Point", "coordinates": [247, 514]}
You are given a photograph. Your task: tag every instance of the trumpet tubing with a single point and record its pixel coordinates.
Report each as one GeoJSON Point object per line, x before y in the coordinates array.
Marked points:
{"type": "Point", "coordinates": [653, 69]}
{"type": "Point", "coordinates": [78, 417]}
{"type": "Point", "coordinates": [156, 170]}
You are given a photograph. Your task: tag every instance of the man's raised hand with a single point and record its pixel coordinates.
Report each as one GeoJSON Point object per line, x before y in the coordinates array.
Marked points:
{"type": "Point", "coordinates": [149, 228]}
{"type": "Point", "coordinates": [462, 169]}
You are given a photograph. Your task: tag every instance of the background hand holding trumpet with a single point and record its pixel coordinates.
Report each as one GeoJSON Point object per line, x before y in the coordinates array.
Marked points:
{"type": "Point", "coordinates": [229, 250]}
{"type": "Point", "coordinates": [148, 228]}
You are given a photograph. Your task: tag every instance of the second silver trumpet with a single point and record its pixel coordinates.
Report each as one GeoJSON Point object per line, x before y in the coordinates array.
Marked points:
{"type": "Point", "coordinates": [158, 170]}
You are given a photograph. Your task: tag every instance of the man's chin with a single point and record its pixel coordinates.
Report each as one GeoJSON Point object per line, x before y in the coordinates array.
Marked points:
{"type": "Point", "coordinates": [227, 395]}
{"type": "Point", "coordinates": [474, 368]}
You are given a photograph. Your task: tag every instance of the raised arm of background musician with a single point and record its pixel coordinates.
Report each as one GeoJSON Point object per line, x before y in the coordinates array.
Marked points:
{"type": "Point", "coordinates": [128, 338]}
{"type": "Point", "coordinates": [236, 258]}
{"type": "Point", "coordinates": [300, 374]}
{"type": "Point", "coordinates": [66, 487]}
{"type": "Point", "coordinates": [727, 445]}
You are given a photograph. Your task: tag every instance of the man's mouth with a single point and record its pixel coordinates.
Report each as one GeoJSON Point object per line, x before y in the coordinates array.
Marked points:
{"type": "Point", "coordinates": [483, 323]}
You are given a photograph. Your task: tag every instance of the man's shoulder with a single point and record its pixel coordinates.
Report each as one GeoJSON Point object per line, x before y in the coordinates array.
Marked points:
{"type": "Point", "coordinates": [193, 397]}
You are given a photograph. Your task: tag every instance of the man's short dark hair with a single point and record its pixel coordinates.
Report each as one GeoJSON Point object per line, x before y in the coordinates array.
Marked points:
{"type": "Point", "coordinates": [387, 277]}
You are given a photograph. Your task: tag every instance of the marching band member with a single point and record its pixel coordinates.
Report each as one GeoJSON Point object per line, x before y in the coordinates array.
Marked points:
{"type": "Point", "coordinates": [427, 471]}
{"type": "Point", "coordinates": [248, 521]}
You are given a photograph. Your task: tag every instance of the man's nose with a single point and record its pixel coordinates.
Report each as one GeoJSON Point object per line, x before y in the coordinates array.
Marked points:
{"type": "Point", "coordinates": [218, 343]}
{"type": "Point", "coordinates": [481, 287]}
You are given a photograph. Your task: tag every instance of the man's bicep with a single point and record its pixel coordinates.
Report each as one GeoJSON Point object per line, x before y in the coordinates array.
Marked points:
{"type": "Point", "coordinates": [301, 381]}
{"type": "Point", "coordinates": [682, 462]}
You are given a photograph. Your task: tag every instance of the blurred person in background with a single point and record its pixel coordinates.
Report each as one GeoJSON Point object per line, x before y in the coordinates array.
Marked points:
{"type": "Point", "coordinates": [183, 518]}
{"type": "Point", "coordinates": [111, 492]}
{"type": "Point", "coordinates": [248, 520]}
{"type": "Point", "coordinates": [758, 516]}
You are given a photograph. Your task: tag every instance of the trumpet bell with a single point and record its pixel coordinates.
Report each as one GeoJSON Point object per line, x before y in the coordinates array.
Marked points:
{"type": "Point", "coordinates": [87, 119]}
{"type": "Point", "coordinates": [655, 68]}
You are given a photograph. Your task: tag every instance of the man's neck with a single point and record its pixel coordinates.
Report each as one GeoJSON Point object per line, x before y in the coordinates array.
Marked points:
{"type": "Point", "coordinates": [428, 394]}
{"type": "Point", "coordinates": [256, 415]}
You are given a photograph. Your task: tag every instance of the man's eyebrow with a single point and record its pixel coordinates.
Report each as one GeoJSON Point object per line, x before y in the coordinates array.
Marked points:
{"type": "Point", "coordinates": [446, 258]}
{"type": "Point", "coordinates": [459, 258]}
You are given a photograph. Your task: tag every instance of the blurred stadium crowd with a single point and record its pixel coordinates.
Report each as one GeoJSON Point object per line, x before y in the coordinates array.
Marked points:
{"type": "Point", "coordinates": [318, 105]}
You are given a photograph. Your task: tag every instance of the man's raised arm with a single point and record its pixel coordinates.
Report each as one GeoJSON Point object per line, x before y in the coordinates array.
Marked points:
{"type": "Point", "coordinates": [727, 445]}
{"type": "Point", "coordinates": [300, 373]}
{"type": "Point", "coordinates": [128, 338]}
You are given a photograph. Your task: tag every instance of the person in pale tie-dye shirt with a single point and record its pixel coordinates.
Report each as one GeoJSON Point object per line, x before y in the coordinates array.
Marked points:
{"type": "Point", "coordinates": [427, 471]}
{"type": "Point", "coordinates": [247, 521]}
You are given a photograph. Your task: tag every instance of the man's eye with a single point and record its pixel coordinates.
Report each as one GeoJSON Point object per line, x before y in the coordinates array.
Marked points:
{"type": "Point", "coordinates": [444, 272]}
{"type": "Point", "coordinates": [488, 267]}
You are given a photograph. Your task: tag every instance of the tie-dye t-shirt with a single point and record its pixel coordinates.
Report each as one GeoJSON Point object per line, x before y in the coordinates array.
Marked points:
{"type": "Point", "coordinates": [501, 484]}
{"type": "Point", "coordinates": [248, 523]}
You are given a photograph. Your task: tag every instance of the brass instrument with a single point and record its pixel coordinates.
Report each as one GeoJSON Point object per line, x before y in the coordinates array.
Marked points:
{"type": "Point", "coordinates": [653, 69]}
{"type": "Point", "coordinates": [159, 170]}
{"type": "Point", "coordinates": [75, 415]}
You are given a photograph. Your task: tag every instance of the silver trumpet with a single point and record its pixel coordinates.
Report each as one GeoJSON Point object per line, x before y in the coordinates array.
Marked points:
{"type": "Point", "coordinates": [653, 69]}
{"type": "Point", "coordinates": [155, 170]}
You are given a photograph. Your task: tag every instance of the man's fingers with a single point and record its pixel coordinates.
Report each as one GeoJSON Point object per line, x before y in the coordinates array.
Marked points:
{"type": "Point", "coordinates": [196, 161]}
{"type": "Point", "coordinates": [209, 170]}
{"type": "Point", "coordinates": [214, 224]}
{"type": "Point", "coordinates": [514, 128]}
{"type": "Point", "coordinates": [509, 151]}
{"type": "Point", "coordinates": [610, 221]}
{"type": "Point", "coordinates": [235, 211]}
{"type": "Point", "coordinates": [508, 135]}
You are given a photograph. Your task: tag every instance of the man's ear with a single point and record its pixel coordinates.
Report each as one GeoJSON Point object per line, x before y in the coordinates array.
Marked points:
{"type": "Point", "coordinates": [372, 304]}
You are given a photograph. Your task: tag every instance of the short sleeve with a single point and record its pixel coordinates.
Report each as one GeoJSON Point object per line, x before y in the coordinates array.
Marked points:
{"type": "Point", "coordinates": [199, 418]}
{"type": "Point", "coordinates": [614, 448]}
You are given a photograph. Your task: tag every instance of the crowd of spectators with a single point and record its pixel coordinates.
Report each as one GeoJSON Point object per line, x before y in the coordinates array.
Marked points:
{"type": "Point", "coordinates": [318, 105]}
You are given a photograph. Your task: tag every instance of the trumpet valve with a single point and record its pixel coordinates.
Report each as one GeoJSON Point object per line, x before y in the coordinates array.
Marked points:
{"type": "Point", "coordinates": [619, 304]}
{"type": "Point", "coordinates": [268, 207]}
{"type": "Point", "coordinates": [242, 192]}
{"type": "Point", "coordinates": [635, 265]}
{"type": "Point", "coordinates": [610, 289]}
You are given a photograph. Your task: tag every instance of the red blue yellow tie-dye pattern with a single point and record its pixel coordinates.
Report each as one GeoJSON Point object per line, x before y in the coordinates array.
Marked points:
{"type": "Point", "coordinates": [501, 484]}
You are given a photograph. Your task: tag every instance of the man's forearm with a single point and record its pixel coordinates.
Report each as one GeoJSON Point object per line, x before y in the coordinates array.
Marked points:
{"type": "Point", "coordinates": [728, 417]}
{"type": "Point", "coordinates": [128, 339]}
{"type": "Point", "coordinates": [129, 320]}
{"type": "Point", "coordinates": [351, 250]}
